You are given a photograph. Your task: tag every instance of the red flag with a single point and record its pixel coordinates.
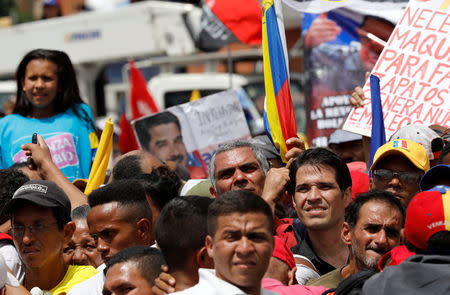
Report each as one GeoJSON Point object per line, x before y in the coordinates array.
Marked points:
{"type": "Point", "coordinates": [140, 99]}
{"type": "Point", "coordinates": [127, 139]}
{"type": "Point", "coordinates": [228, 21]}
{"type": "Point", "coordinates": [244, 21]}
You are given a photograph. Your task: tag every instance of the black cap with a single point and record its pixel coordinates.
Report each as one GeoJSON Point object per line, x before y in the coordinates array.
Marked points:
{"type": "Point", "coordinates": [43, 193]}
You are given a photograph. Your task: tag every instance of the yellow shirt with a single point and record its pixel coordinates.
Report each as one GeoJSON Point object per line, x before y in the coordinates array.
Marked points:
{"type": "Point", "coordinates": [75, 274]}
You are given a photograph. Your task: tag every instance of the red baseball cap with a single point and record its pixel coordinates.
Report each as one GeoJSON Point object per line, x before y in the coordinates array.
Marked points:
{"type": "Point", "coordinates": [427, 213]}
{"type": "Point", "coordinates": [282, 252]}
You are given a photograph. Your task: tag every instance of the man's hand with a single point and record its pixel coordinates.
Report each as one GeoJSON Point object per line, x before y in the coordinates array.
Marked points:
{"type": "Point", "coordinates": [357, 98]}
{"type": "Point", "coordinates": [296, 145]}
{"type": "Point", "coordinates": [321, 30]}
{"type": "Point", "coordinates": [275, 185]}
{"type": "Point", "coordinates": [165, 283]}
{"type": "Point", "coordinates": [39, 155]}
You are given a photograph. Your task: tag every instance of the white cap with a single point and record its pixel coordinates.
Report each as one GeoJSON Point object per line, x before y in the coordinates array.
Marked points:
{"type": "Point", "coordinates": [421, 134]}
{"type": "Point", "coordinates": [341, 136]}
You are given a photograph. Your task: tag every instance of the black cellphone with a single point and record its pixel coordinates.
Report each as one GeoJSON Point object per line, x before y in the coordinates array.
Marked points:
{"type": "Point", "coordinates": [30, 160]}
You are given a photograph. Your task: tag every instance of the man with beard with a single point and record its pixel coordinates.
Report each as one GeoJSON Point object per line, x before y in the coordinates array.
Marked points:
{"type": "Point", "coordinates": [371, 229]}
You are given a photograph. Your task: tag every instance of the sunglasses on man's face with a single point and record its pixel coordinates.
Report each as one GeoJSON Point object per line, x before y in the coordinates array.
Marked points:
{"type": "Point", "coordinates": [385, 176]}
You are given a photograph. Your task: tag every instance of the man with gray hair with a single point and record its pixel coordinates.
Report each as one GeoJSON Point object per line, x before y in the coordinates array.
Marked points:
{"type": "Point", "coordinates": [241, 165]}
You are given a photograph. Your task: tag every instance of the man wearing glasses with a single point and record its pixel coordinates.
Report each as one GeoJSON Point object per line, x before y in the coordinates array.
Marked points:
{"type": "Point", "coordinates": [398, 167]}
{"type": "Point", "coordinates": [41, 225]}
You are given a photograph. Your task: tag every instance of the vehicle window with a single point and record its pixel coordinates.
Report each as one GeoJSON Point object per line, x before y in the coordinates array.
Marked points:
{"type": "Point", "coordinates": [179, 97]}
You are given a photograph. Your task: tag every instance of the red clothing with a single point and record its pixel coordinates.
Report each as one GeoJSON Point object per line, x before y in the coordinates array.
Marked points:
{"type": "Point", "coordinates": [197, 172]}
{"type": "Point", "coordinates": [5, 237]}
{"type": "Point", "coordinates": [277, 287]}
{"type": "Point", "coordinates": [394, 257]}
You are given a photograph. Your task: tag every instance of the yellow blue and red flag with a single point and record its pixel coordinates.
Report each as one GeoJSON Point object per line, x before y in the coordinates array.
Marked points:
{"type": "Point", "coordinates": [279, 118]}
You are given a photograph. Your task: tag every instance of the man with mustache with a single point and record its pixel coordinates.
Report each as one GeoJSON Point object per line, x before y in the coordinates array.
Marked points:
{"type": "Point", "coordinates": [371, 229]}
{"type": "Point", "coordinates": [40, 226]}
{"type": "Point", "coordinates": [398, 167]}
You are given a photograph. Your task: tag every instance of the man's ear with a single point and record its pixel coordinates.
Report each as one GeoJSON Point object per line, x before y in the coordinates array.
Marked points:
{"type": "Point", "coordinates": [348, 193]}
{"type": "Point", "coordinates": [291, 276]}
{"type": "Point", "coordinates": [402, 237]}
{"type": "Point", "coordinates": [212, 192]}
{"type": "Point", "coordinates": [203, 259]}
{"type": "Point", "coordinates": [69, 229]}
{"type": "Point", "coordinates": [346, 234]}
{"type": "Point", "coordinates": [371, 184]}
{"type": "Point", "coordinates": [209, 246]}
{"type": "Point", "coordinates": [144, 229]}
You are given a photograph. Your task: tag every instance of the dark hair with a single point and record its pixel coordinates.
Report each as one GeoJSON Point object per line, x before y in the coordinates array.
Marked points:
{"type": "Point", "coordinates": [438, 244]}
{"type": "Point", "coordinates": [238, 202]}
{"type": "Point", "coordinates": [68, 97]}
{"type": "Point", "coordinates": [10, 180]}
{"type": "Point", "coordinates": [445, 152]}
{"type": "Point", "coordinates": [127, 167]}
{"type": "Point", "coordinates": [142, 126]}
{"type": "Point", "coordinates": [148, 261]}
{"type": "Point", "coordinates": [181, 229]}
{"type": "Point", "coordinates": [80, 212]}
{"type": "Point", "coordinates": [353, 209]}
{"type": "Point", "coordinates": [321, 157]}
{"type": "Point", "coordinates": [130, 167]}
{"type": "Point", "coordinates": [61, 218]}
{"type": "Point", "coordinates": [160, 189]}
{"type": "Point", "coordinates": [129, 194]}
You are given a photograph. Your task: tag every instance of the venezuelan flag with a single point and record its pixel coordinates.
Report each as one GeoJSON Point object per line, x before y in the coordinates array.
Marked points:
{"type": "Point", "coordinates": [279, 118]}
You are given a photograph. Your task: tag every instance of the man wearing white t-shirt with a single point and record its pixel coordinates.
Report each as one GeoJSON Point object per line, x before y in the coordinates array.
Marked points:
{"type": "Point", "coordinates": [240, 240]}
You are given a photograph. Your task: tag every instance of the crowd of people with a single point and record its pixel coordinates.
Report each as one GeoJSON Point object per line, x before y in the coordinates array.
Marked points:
{"type": "Point", "coordinates": [318, 224]}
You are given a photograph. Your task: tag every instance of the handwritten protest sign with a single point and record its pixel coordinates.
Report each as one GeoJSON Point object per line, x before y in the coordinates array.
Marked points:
{"type": "Point", "coordinates": [205, 124]}
{"type": "Point", "coordinates": [414, 71]}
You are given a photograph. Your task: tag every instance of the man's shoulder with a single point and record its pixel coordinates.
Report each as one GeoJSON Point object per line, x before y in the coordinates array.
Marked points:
{"type": "Point", "coordinates": [329, 280]}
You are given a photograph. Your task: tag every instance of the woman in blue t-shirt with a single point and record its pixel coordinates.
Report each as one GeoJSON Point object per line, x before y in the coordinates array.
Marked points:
{"type": "Point", "coordinates": [48, 103]}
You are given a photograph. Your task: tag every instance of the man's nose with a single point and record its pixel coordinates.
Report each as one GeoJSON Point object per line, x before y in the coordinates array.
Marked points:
{"type": "Point", "coordinates": [28, 236]}
{"type": "Point", "coordinates": [395, 181]}
{"type": "Point", "coordinates": [78, 258]}
{"type": "Point", "coordinates": [102, 246]}
{"type": "Point", "coordinates": [239, 178]}
{"type": "Point", "coordinates": [314, 194]}
{"type": "Point", "coordinates": [244, 246]}
{"type": "Point", "coordinates": [381, 238]}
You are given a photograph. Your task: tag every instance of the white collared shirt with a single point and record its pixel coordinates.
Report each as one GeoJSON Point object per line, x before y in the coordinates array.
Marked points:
{"type": "Point", "coordinates": [210, 284]}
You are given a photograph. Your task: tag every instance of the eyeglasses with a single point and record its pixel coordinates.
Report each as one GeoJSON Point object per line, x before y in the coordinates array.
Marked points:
{"type": "Point", "coordinates": [384, 175]}
{"type": "Point", "coordinates": [19, 230]}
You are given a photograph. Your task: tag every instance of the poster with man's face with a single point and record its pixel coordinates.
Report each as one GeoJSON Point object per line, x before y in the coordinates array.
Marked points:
{"type": "Point", "coordinates": [190, 133]}
{"type": "Point", "coordinates": [160, 134]}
